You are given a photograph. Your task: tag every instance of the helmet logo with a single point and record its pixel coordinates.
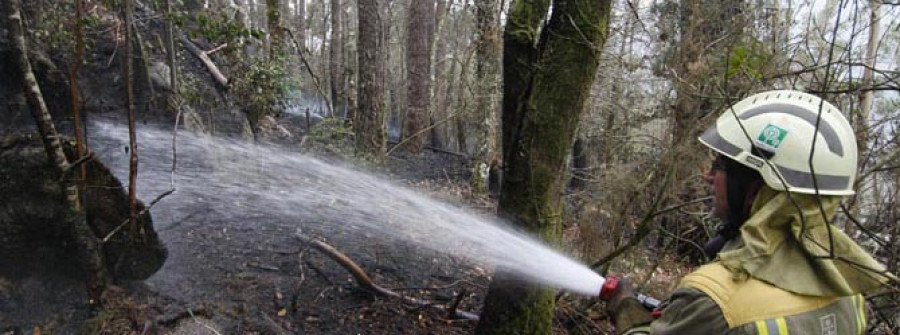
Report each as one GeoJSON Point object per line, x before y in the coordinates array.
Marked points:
{"type": "Point", "coordinates": [772, 136]}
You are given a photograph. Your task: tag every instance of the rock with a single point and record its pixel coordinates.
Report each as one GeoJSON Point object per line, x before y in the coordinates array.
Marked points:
{"type": "Point", "coordinates": [159, 75]}
{"type": "Point", "coordinates": [32, 211]}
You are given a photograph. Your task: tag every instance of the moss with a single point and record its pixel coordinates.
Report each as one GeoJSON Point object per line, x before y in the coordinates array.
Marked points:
{"type": "Point", "coordinates": [539, 136]}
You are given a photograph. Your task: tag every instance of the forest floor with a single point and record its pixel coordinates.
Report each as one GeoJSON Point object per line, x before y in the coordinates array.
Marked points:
{"type": "Point", "coordinates": [251, 274]}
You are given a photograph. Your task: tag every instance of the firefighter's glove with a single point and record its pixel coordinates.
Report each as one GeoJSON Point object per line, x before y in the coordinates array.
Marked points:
{"type": "Point", "coordinates": [625, 310]}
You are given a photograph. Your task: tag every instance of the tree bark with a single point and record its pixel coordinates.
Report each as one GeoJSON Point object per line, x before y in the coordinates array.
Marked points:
{"type": "Point", "coordinates": [439, 64]}
{"type": "Point", "coordinates": [369, 118]}
{"type": "Point", "coordinates": [520, 39]}
{"type": "Point", "coordinates": [541, 132]}
{"type": "Point", "coordinates": [486, 76]}
{"type": "Point", "coordinates": [418, 69]}
{"type": "Point", "coordinates": [170, 46]}
{"type": "Point", "coordinates": [73, 90]}
{"type": "Point", "coordinates": [127, 12]}
{"type": "Point", "coordinates": [337, 74]}
{"type": "Point", "coordinates": [861, 119]}
{"type": "Point", "coordinates": [300, 16]}
{"type": "Point", "coordinates": [348, 86]}
{"type": "Point", "coordinates": [273, 22]}
{"type": "Point", "coordinates": [91, 254]}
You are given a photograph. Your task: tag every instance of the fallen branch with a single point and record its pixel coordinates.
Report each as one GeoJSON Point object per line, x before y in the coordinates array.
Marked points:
{"type": "Point", "coordinates": [204, 57]}
{"type": "Point", "coordinates": [145, 210]}
{"type": "Point", "coordinates": [363, 280]}
{"type": "Point", "coordinates": [75, 164]}
{"type": "Point", "coordinates": [213, 50]}
{"type": "Point", "coordinates": [432, 148]}
{"type": "Point", "coordinates": [422, 131]}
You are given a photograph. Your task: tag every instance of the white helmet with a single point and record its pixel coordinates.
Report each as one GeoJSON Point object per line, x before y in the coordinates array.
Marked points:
{"type": "Point", "coordinates": [781, 125]}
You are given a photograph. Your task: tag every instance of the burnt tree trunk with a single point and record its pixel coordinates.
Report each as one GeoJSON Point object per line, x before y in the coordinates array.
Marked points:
{"type": "Point", "coordinates": [540, 131]}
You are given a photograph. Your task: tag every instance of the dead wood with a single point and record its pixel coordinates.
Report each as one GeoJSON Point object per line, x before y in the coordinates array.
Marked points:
{"type": "Point", "coordinates": [363, 280]}
{"type": "Point", "coordinates": [193, 48]}
{"type": "Point", "coordinates": [204, 57]}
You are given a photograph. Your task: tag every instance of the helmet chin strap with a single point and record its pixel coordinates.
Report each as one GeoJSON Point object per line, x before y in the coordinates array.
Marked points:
{"type": "Point", "coordinates": [741, 186]}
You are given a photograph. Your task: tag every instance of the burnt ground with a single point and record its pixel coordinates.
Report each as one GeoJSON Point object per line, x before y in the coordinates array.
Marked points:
{"type": "Point", "coordinates": [251, 274]}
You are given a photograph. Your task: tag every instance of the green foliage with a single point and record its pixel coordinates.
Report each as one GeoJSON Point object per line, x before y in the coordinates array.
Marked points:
{"type": "Point", "coordinates": [54, 27]}
{"type": "Point", "coordinates": [263, 87]}
{"type": "Point", "coordinates": [330, 129]}
{"type": "Point", "coordinates": [749, 60]}
{"type": "Point", "coordinates": [333, 135]}
{"type": "Point", "coordinates": [218, 28]}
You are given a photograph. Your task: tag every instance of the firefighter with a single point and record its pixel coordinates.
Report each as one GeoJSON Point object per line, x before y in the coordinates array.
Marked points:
{"type": "Point", "coordinates": [784, 159]}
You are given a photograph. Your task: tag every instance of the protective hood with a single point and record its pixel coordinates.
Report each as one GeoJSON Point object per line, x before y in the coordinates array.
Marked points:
{"type": "Point", "coordinates": [773, 251]}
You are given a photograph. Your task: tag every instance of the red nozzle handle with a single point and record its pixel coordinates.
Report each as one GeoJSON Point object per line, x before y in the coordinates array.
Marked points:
{"type": "Point", "coordinates": [609, 287]}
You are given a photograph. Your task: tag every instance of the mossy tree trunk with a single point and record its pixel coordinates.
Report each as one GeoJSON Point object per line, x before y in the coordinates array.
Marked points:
{"type": "Point", "coordinates": [539, 128]}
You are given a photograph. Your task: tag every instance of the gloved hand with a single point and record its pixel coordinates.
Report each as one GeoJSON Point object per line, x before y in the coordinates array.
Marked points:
{"type": "Point", "coordinates": [623, 290]}
{"type": "Point", "coordinates": [624, 309]}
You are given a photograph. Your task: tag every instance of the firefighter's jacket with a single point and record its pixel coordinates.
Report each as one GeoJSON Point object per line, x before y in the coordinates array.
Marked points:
{"type": "Point", "coordinates": [765, 281]}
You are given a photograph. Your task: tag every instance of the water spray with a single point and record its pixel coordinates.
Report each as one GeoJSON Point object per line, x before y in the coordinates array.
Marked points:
{"type": "Point", "coordinates": [240, 179]}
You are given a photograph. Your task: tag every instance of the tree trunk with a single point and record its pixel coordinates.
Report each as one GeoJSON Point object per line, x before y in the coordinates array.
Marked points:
{"type": "Point", "coordinates": [462, 106]}
{"type": "Point", "coordinates": [300, 17]}
{"type": "Point", "coordinates": [862, 117]}
{"type": "Point", "coordinates": [439, 46]}
{"type": "Point", "coordinates": [170, 46]}
{"type": "Point", "coordinates": [486, 76]}
{"type": "Point", "coordinates": [418, 69]}
{"type": "Point", "coordinates": [337, 74]}
{"type": "Point", "coordinates": [130, 60]}
{"type": "Point", "coordinates": [457, 84]}
{"type": "Point", "coordinates": [91, 254]}
{"type": "Point", "coordinates": [369, 118]}
{"type": "Point", "coordinates": [273, 22]}
{"type": "Point", "coordinates": [541, 132]}
{"type": "Point", "coordinates": [348, 86]}
{"type": "Point", "coordinates": [580, 164]}
{"type": "Point", "coordinates": [520, 53]}
{"type": "Point", "coordinates": [76, 96]}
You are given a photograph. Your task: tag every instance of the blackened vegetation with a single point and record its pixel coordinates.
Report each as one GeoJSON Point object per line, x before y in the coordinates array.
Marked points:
{"type": "Point", "coordinates": [33, 237]}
